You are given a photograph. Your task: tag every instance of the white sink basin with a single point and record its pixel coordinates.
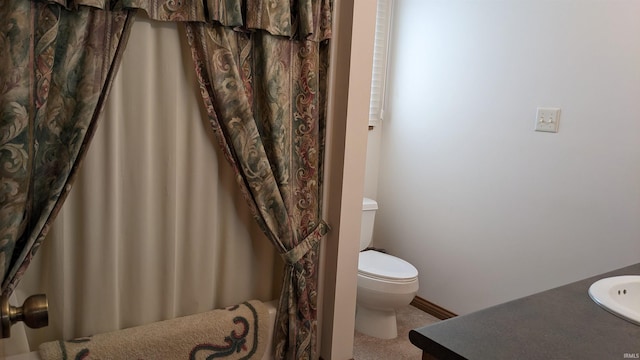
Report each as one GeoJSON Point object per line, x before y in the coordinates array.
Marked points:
{"type": "Point", "coordinates": [619, 295]}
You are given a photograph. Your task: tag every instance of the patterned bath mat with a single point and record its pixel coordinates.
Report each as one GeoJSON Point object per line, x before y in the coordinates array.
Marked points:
{"type": "Point", "coordinates": [237, 332]}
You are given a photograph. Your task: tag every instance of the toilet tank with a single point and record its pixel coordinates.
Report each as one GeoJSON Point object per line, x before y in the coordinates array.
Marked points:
{"type": "Point", "coordinates": [369, 207]}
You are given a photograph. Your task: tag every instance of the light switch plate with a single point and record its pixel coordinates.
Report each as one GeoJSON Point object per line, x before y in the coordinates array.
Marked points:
{"type": "Point", "coordinates": [547, 119]}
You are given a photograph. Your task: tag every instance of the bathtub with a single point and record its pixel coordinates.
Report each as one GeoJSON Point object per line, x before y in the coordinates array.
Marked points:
{"type": "Point", "coordinates": [271, 307]}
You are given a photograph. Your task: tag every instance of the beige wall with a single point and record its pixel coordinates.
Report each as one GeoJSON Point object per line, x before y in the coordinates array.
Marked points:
{"type": "Point", "coordinates": [347, 146]}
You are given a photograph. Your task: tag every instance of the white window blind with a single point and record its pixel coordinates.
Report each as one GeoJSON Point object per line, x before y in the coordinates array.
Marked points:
{"type": "Point", "coordinates": [380, 56]}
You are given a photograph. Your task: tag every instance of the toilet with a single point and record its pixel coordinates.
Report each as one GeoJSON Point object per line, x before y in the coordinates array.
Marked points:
{"type": "Point", "coordinates": [385, 283]}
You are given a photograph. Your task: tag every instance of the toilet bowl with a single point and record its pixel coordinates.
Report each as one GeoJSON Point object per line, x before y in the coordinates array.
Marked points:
{"type": "Point", "coordinates": [385, 283]}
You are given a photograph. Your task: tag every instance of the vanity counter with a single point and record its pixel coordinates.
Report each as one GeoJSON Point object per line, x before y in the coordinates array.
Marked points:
{"type": "Point", "coordinates": [561, 323]}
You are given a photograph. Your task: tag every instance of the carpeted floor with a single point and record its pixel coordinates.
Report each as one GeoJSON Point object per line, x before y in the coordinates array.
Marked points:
{"type": "Point", "coordinates": [369, 348]}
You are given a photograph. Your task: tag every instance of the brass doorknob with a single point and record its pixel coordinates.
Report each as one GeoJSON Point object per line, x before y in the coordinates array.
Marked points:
{"type": "Point", "coordinates": [33, 312]}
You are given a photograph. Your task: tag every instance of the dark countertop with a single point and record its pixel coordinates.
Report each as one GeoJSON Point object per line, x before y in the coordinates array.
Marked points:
{"type": "Point", "coordinates": [561, 323]}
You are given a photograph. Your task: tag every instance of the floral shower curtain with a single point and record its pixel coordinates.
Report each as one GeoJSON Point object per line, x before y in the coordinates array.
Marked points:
{"type": "Point", "coordinates": [265, 99]}
{"type": "Point", "coordinates": [56, 67]}
{"type": "Point", "coordinates": [262, 68]}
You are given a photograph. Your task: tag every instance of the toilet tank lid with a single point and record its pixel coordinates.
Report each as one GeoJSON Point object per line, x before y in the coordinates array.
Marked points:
{"type": "Point", "coordinates": [369, 204]}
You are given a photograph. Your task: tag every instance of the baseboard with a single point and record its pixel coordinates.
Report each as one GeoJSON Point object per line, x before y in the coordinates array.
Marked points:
{"type": "Point", "coordinates": [432, 309]}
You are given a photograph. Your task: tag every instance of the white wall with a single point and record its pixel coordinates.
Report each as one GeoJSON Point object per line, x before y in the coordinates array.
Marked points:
{"type": "Point", "coordinates": [487, 209]}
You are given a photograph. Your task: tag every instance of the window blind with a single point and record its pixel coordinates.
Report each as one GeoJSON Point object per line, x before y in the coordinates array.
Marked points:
{"type": "Point", "coordinates": [380, 56]}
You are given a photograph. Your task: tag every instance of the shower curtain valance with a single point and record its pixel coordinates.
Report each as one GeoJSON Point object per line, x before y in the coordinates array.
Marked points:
{"type": "Point", "coordinates": [302, 19]}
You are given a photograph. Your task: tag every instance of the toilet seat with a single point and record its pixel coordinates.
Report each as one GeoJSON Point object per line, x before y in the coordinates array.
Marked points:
{"type": "Point", "coordinates": [380, 266]}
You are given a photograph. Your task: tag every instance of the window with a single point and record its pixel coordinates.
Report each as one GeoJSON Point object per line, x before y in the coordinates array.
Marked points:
{"type": "Point", "coordinates": [380, 56]}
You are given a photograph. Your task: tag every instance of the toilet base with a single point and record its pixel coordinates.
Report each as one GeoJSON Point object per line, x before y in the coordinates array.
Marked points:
{"type": "Point", "coordinates": [377, 323]}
